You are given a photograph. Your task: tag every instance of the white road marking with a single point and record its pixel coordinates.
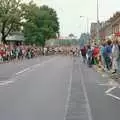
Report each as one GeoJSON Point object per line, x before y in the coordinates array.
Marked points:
{"type": "Point", "coordinates": [86, 96]}
{"type": "Point", "coordinates": [104, 75]}
{"type": "Point", "coordinates": [22, 71]}
{"type": "Point", "coordinates": [114, 86]}
{"type": "Point", "coordinates": [33, 66]}
{"type": "Point", "coordinates": [110, 89]}
{"type": "Point", "coordinates": [69, 93]}
{"type": "Point", "coordinates": [6, 83]}
{"type": "Point", "coordinates": [109, 94]}
{"type": "Point", "coordinates": [108, 85]}
{"type": "Point", "coordinates": [111, 83]}
{"type": "Point", "coordinates": [105, 84]}
{"type": "Point", "coordinates": [3, 83]}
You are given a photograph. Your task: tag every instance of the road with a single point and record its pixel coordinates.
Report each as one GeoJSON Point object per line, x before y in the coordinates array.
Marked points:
{"type": "Point", "coordinates": [99, 104]}
{"type": "Point", "coordinates": [39, 93]}
{"type": "Point", "coordinates": [56, 88]}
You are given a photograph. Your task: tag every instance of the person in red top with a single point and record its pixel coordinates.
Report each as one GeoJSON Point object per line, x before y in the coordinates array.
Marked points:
{"type": "Point", "coordinates": [83, 53]}
{"type": "Point", "coordinates": [96, 52]}
{"type": "Point", "coordinates": [2, 54]}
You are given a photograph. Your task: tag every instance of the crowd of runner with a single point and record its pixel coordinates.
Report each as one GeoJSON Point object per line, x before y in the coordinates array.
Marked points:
{"type": "Point", "coordinates": [107, 55]}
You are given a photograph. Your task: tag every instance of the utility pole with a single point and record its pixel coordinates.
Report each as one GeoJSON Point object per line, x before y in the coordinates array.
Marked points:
{"type": "Point", "coordinates": [97, 40]}
{"type": "Point", "coordinates": [87, 22]}
{"type": "Point", "coordinates": [87, 25]}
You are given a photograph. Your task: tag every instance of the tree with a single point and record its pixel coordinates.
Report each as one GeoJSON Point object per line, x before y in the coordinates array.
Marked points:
{"type": "Point", "coordinates": [31, 29]}
{"type": "Point", "coordinates": [50, 27]}
{"type": "Point", "coordinates": [71, 35]}
{"type": "Point", "coordinates": [10, 17]}
{"type": "Point", "coordinates": [41, 23]}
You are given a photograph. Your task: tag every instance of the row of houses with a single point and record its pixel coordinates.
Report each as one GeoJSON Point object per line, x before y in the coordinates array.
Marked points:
{"type": "Point", "coordinates": [109, 29]}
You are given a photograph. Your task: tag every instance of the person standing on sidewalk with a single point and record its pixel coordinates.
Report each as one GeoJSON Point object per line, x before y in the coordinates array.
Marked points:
{"type": "Point", "coordinates": [83, 53]}
{"type": "Point", "coordinates": [119, 57]}
{"type": "Point", "coordinates": [102, 49]}
{"type": "Point", "coordinates": [89, 56]}
{"type": "Point", "coordinates": [96, 52]}
{"type": "Point", "coordinates": [115, 56]}
{"type": "Point", "coordinates": [108, 54]}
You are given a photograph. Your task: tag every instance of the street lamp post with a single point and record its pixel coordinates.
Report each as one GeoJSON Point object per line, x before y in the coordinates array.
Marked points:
{"type": "Point", "coordinates": [87, 23]}
{"type": "Point", "coordinates": [87, 26]}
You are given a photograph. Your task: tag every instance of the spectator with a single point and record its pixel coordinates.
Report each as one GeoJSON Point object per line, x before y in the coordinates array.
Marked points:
{"type": "Point", "coordinates": [115, 56]}
{"type": "Point", "coordinates": [102, 49]}
{"type": "Point", "coordinates": [89, 56]}
{"type": "Point", "coordinates": [96, 52]}
{"type": "Point", "coordinates": [108, 54]}
{"type": "Point", "coordinates": [119, 57]}
{"type": "Point", "coordinates": [83, 52]}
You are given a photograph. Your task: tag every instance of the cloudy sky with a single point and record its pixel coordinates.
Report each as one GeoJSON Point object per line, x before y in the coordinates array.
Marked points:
{"type": "Point", "coordinates": [69, 12]}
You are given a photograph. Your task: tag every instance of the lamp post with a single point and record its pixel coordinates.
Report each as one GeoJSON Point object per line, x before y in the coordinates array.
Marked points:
{"type": "Point", "coordinates": [87, 23]}
{"type": "Point", "coordinates": [87, 26]}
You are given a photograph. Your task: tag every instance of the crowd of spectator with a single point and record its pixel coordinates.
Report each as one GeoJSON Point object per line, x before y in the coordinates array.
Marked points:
{"type": "Point", "coordinates": [13, 52]}
{"type": "Point", "coordinates": [105, 55]}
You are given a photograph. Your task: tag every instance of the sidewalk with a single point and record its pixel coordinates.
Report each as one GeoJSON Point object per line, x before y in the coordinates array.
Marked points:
{"type": "Point", "coordinates": [115, 76]}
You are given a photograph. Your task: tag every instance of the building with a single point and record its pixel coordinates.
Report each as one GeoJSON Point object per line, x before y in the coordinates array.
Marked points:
{"type": "Point", "coordinates": [15, 38]}
{"type": "Point", "coordinates": [115, 23]}
{"type": "Point", "coordinates": [93, 31]}
{"type": "Point", "coordinates": [105, 31]}
{"type": "Point", "coordinates": [111, 28]}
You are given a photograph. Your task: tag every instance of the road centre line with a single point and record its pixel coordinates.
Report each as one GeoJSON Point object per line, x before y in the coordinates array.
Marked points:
{"type": "Point", "coordinates": [69, 92]}
{"type": "Point", "coordinates": [86, 96]}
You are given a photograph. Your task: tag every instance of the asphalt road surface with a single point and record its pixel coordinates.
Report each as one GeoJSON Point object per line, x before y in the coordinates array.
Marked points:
{"type": "Point", "coordinates": [56, 88]}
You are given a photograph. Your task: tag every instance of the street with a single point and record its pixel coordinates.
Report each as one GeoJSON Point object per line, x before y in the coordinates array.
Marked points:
{"type": "Point", "coordinates": [56, 88]}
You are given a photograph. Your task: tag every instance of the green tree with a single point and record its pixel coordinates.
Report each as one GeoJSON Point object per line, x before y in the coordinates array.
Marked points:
{"type": "Point", "coordinates": [71, 35]}
{"type": "Point", "coordinates": [50, 26]}
{"type": "Point", "coordinates": [31, 30]}
{"type": "Point", "coordinates": [10, 17]}
{"type": "Point", "coordinates": [41, 23]}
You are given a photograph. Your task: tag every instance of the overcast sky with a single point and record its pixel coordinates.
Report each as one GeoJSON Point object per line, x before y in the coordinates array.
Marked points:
{"type": "Point", "coordinates": [69, 12]}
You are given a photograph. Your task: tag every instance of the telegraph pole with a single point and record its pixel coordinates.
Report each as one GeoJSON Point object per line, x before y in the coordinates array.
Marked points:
{"type": "Point", "coordinates": [97, 39]}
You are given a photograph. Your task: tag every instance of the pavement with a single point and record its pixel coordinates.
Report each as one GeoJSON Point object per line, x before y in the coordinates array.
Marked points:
{"type": "Point", "coordinates": [56, 88]}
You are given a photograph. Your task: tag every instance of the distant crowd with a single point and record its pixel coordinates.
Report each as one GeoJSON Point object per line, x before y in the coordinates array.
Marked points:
{"type": "Point", "coordinates": [13, 52]}
{"type": "Point", "coordinates": [106, 54]}
{"type": "Point", "coordinates": [19, 52]}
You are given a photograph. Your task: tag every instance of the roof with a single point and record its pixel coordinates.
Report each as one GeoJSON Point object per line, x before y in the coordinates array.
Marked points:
{"type": "Point", "coordinates": [16, 37]}
{"type": "Point", "coordinates": [116, 15]}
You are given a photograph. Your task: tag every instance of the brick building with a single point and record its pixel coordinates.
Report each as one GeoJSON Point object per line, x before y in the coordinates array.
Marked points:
{"type": "Point", "coordinates": [111, 28]}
